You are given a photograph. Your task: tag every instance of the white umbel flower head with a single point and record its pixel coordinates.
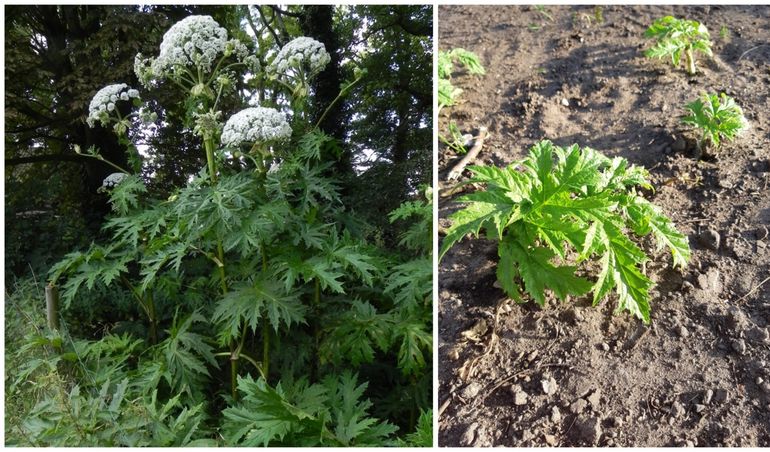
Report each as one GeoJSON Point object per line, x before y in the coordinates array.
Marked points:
{"type": "Point", "coordinates": [105, 100]}
{"type": "Point", "coordinates": [113, 180]}
{"type": "Point", "coordinates": [301, 54]}
{"type": "Point", "coordinates": [194, 40]}
{"type": "Point", "coordinates": [255, 125]}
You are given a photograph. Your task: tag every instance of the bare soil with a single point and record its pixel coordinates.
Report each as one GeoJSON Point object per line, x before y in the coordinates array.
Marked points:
{"type": "Point", "coordinates": [570, 374]}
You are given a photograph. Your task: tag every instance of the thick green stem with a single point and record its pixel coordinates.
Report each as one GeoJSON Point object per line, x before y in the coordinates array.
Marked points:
{"type": "Point", "coordinates": [265, 328]}
{"type": "Point", "coordinates": [153, 320]}
{"type": "Point", "coordinates": [316, 327]}
{"type": "Point", "coordinates": [690, 61]}
{"type": "Point", "coordinates": [266, 350]}
{"type": "Point", "coordinates": [148, 306]}
{"type": "Point", "coordinates": [208, 142]}
{"type": "Point", "coordinates": [336, 99]}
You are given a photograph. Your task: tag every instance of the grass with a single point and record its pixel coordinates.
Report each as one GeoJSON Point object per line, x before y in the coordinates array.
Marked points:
{"type": "Point", "coordinates": [24, 315]}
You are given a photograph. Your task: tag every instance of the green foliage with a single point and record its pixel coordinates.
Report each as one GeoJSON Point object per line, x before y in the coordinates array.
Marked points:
{"type": "Point", "coordinates": [567, 196]}
{"type": "Point", "coordinates": [718, 117]}
{"type": "Point", "coordinates": [329, 413]}
{"type": "Point", "coordinates": [448, 93]}
{"type": "Point", "coordinates": [676, 37]}
{"type": "Point", "coordinates": [252, 261]}
{"type": "Point", "coordinates": [114, 402]}
{"type": "Point", "coordinates": [423, 436]}
{"type": "Point", "coordinates": [456, 140]}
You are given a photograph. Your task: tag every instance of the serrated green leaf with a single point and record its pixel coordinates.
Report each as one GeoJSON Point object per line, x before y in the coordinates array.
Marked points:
{"type": "Point", "coordinates": [537, 272]}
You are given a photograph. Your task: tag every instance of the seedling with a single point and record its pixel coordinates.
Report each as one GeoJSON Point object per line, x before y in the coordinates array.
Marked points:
{"type": "Point", "coordinates": [598, 14]}
{"type": "Point", "coordinates": [724, 32]}
{"type": "Point", "coordinates": [574, 197]}
{"type": "Point", "coordinates": [676, 37]}
{"type": "Point", "coordinates": [456, 140]}
{"type": "Point", "coordinates": [718, 117]}
{"type": "Point", "coordinates": [541, 10]}
{"type": "Point", "coordinates": [448, 93]}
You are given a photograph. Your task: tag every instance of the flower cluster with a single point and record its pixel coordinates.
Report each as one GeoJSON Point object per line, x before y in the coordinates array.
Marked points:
{"type": "Point", "coordinates": [193, 41]}
{"type": "Point", "coordinates": [105, 101]}
{"type": "Point", "coordinates": [255, 125]}
{"type": "Point", "coordinates": [113, 180]}
{"type": "Point", "coordinates": [304, 54]}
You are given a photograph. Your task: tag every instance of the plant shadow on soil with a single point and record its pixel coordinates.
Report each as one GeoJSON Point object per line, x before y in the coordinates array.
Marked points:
{"type": "Point", "coordinates": [639, 385]}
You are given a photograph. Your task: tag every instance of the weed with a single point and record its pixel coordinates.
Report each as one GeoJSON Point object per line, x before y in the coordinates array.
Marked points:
{"type": "Point", "coordinates": [724, 32]}
{"type": "Point", "coordinates": [448, 93]}
{"type": "Point", "coordinates": [572, 196]}
{"type": "Point", "coordinates": [675, 37]}
{"type": "Point", "coordinates": [717, 116]}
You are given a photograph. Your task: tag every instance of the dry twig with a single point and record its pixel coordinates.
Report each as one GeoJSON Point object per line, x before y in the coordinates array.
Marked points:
{"type": "Point", "coordinates": [457, 170]}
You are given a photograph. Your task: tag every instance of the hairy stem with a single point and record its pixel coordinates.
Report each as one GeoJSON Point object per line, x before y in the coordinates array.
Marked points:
{"type": "Point", "coordinates": [153, 320]}
{"type": "Point", "coordinates": [266, 350]}
{"type": "Point", "coordinates": [316, 328]}
{"type": "Point", "coordinates": [208, 142]}
{"type": "Point", "coordinates": [148, 306]}
{"type": "Point", "coordinates": [690, 61]}
{"type": "Point", "coordinates": [337, 99]}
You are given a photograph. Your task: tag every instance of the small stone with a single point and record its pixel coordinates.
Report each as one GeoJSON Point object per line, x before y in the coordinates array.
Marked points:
{"type": "Point", "coordinates": [736, 319]}
{"type": "Point", "coordinates": [759, 381]}
{"type": "Point", "coordinates": [739, 346]}
{"type": "Point", "coordinates": [682, 331]}
{"type": "Point", "coordinates": [550, 440]}
{"type": "Point", "coordinates": [578, 406]}
{"type": "Point", "coordinates": [679, 144]}
{"type": "Point", "coordinates": [519, 396]}
{"type": "Point", "coordinates": [532, 355]}
{"type": "Point", "coordinates": [555, 415]}
{"type": "Point", "coordinates": [549, 386]}
{"type": "Point", "coordinates": [472, 390]}
{"type": "Point", "coordinates": [594, 399]}
{"type": "Point", "coordinates": [605, 346]}
{"type": "Point", "coordinates": [699, 408]}
{"type": "Point", "coordinates": [758, 334]}
{"type": "Point", "coordinates": [721, 396]}
{"type": "Point", "coordinates": [579, 315]}
{"type": "Point", "coordinates": [678, 410]}
{"type": "Point", "coordinates": [689, 443]}
{"type": "Point", "coordinates": [710, 239]}
{"type": "Point", "coordinates": [711, 281]}
{"type": "Point", "coordinates": [589, 430]}
{"type": "Point", "coordinates": [470, 434]}
{"type": "Point", "coordinates": [707, 397]}
{"type": "Point", "coordinates": [565, 102]}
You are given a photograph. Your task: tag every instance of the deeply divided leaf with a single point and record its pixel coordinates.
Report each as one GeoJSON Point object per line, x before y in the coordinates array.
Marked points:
{"type": "Point", "coordinates": [563, 206]}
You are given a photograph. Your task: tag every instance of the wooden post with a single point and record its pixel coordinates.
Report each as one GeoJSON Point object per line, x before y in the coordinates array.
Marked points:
{"type": "Point", "coordinates": [52, 306]}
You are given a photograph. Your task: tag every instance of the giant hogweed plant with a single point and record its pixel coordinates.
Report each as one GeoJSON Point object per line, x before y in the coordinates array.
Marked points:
{"type": "Point", "coordinates": [675, 38]}
{"type": "Point", "coordinates": [560, 207]}
{"type": "Point", "coordinates": [251, 257]}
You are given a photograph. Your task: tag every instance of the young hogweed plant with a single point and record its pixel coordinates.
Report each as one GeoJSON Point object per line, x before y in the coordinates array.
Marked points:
{"type": "Point", "coordinates": [676, 37]}
{"type": "Point", "coordinates": [558, 208]}
{"type": "Point", "coordinates": [717, 116]}
{"type": "Point", "coordinates": [448, 93]}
